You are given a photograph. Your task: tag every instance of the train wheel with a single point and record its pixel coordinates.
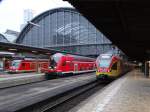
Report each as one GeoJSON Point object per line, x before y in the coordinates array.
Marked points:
{"type": "Point", "coordinates": [49, 76]}
{"type": "Point", "coordinates": [46, 76]}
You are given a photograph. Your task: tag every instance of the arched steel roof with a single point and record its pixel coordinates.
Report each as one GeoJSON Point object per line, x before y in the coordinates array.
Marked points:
{"type": "Point", "coordinates": [39, 17]}
{"type": "Point", "coordinates": [3, 38]}
{"type": "Point", "coordinates": [64, 29]}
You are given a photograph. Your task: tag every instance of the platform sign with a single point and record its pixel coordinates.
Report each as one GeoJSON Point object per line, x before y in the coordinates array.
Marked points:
{"type": "Point", "coordinates": [106, 56]}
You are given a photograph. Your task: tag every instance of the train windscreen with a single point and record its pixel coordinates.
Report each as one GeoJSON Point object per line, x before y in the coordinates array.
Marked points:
{"type": "Point", "coordinates": [55, 59]}
{"type": "Point", "coordinates": [105, 61]}
{"type": "Point", "coordinates": [15, 63]}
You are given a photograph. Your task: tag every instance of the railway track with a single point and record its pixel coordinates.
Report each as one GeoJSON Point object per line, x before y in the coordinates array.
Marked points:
{"type": "Point", "coordinates": [67, 99]}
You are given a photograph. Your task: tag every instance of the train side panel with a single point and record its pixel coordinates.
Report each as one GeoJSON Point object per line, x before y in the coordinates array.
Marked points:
{"type": "Point", "coordinates": [69, 64]}
{"type": "Point", "coordinates": [28, 66]}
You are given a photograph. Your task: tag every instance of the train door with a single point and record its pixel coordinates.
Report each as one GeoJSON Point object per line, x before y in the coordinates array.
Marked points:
{"type": "Point", "coordinates": [6, 64]}
{"type": "Point", "coordinates": [68, 67]}
{"type": "Point", "coordinates": [33, 66]}
{"type": "Point", "coordinates": [22, 66]}
{"type": "Point", "coordinates": [114, 70]}
{"type": "Point", "coordinates": [27, 66]}
{"type": "Point", "coordinates": [71, 66]}
{"type": "Point", "coordinates": [119, 67]}
{"type": "Point", "coordinates": [63, 66]}
{"type": "Point", "coordinates": [39, 67]}
{"type": "Point", "coordinates": [75, 67]}
{"type": "Point", "coordinates": [44, 65]}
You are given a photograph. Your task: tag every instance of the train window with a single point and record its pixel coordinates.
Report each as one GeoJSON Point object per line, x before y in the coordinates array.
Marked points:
{"type": "Point", "coordinates": [64, 63]}
{"type": "Point", "coordinates": [56, 57]}
{"type": "Point", "coordinates": [16, 63]}
{"type": "Point", "coordinates": [71, 64]}
{"type": "Point", "coordinates": [32, 65]}
{"type": "Point", "coordinates": [114, 67]}
{"type": "Point", "coordinates": [23, 65]}
{"type": "Point", "coordinates": [104, 62]}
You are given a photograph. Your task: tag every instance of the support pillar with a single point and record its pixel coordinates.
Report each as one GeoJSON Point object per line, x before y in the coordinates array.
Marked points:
{"type": "Point", "coordinates": [143, 67]}
{"type": "Point", "coordinates": [37, 64]}
{"type": "Point", "coordinates": [146, 69]}
{"type": "Point", "coordinates": [4, 63]}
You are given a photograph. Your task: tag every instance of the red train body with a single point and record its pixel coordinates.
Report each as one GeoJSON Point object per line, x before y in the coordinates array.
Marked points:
{"type": "Point", "coordinates": [69, 64]}
{"type": "Point", "coordinates": [28, 65]}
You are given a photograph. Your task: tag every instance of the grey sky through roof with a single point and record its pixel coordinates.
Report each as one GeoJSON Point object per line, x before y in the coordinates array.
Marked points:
{"type": "Point", "coordinates": [12, 17]}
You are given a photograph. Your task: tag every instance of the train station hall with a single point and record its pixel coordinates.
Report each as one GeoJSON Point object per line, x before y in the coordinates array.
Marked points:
{"type": "Point", "coordinates": [91, 57]}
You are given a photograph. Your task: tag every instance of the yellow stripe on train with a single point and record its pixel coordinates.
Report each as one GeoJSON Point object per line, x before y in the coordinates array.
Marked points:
{"type": "Point", "coordinates": [107, 74]}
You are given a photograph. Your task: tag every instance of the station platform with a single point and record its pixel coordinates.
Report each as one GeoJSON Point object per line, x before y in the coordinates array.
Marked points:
{"type": "Point", "coordinates": [5, 75]}
{"type": "Point", "coordinates": [16, 98]}
{"type": "Point", "coordinates": [130, 93]}
{"type": "Point", "coordinates": [9, 80]}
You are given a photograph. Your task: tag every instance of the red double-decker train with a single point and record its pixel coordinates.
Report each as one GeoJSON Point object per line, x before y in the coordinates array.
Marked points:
{"type": "Point", "coordinates": [66, 64]}
{"type": "Point", "coordinates": [28, 65]}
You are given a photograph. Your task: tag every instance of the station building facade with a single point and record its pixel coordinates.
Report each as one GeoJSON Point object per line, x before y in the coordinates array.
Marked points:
{"type": "Point", "coordinates": [64, 29]}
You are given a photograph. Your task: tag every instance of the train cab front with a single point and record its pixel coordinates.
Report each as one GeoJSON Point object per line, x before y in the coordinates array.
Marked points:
{"type": "Point", "coordinates": [49, 70]}
{"type": "Point", "coordinates": [52, 70]}
{"type": "Point", "coordinates": [14, 68]}
{"type": "Point", "coordinates": [102, 73]}
{"type": "Point", "coordinates": [103, 67]}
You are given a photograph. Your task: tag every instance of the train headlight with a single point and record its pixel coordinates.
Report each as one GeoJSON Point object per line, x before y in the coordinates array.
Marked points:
{"type": "Point", "coordinates": [98, 70]}
{"type": "Point", "coordinates": [108, 70]}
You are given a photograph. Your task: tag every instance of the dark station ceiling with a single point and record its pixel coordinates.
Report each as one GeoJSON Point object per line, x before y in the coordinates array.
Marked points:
{"type": "Point", "coordinates": [125, 22]}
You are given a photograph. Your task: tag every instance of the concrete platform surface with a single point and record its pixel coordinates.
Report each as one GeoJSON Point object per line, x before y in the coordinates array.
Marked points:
{"type": "Point", "coordinates": [130, 93]}
{"type": "Point", "coordinates": [14, 98]}
{"type": "Point", "coordinates": [6, 75]}
{"type": "Point", "coordinates": [9, 80]}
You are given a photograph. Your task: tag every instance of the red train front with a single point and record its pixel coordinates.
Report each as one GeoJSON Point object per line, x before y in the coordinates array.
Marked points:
{"type": "Point", "coordinates": [61, 64]}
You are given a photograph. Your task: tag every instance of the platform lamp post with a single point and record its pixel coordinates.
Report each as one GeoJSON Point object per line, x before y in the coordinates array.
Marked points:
{"type": "Point", "coordinates": [35, 52]}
